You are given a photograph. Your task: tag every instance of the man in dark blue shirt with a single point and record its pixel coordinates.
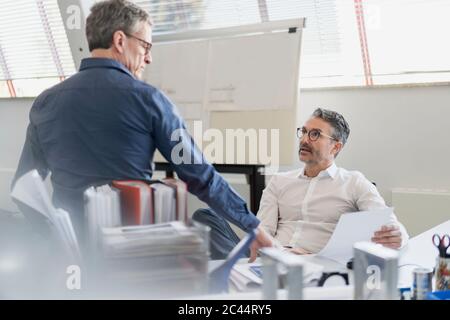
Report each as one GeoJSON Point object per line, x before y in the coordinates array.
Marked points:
{"type": "Point", "coordinates": [104, 124]}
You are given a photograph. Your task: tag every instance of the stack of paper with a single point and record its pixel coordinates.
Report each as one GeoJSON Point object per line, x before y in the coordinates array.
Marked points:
{"type": "Point", "coordinates": [168, 254]}
{"type": "Point", "coordinates": [31, 191]}
{"type": "Point", "coordinates": [151, 240]}
{"type": "Point", "coordinates": [248, 276]}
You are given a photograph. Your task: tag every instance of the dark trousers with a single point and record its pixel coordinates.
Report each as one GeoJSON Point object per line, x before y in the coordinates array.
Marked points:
{"type": "Point", "coordinates": [222, 238]}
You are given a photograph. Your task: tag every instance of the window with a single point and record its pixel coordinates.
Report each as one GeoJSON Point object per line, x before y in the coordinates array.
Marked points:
{"type": "Point", "coordinates": [407, 41]}
{"type": "Point", "coordinates": [345, 43]}
{"type": "Point", "coordinates": [34, 51]}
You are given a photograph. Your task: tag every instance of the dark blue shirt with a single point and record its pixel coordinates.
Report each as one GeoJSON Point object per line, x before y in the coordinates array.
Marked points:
{"type": "Point", "coordinates": [102, 124]}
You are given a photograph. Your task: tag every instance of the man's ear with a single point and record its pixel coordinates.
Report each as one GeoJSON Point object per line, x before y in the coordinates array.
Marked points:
{"type": "Point", "coordinates": [118, 41]}
{"type": "Point", "coordinates": [337, 148]}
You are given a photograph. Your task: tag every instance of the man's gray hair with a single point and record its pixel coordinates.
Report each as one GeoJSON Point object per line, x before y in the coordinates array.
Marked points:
{"type": "Point", "coordinates": [340, 126]}
{"type": "Point", "coordinates": [107, 17]}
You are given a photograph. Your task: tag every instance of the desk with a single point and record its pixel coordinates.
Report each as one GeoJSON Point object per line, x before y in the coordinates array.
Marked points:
{"type": "Point", "coordinates": [253, 173]}
{"type": "Point", "coordinates": [310, 293]}
{"type": "Point", "coordinates": [420, 251]}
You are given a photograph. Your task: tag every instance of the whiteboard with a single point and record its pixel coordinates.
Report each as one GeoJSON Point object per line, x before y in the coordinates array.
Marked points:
{"type": "Point", "coordinates": [249, 72]}
{"type": "Point", "coordinates": [245, 80]}
{"type": "Point", "coordinates": [179, 70]}
{"type": "Point", "coordinates": [258, 72]}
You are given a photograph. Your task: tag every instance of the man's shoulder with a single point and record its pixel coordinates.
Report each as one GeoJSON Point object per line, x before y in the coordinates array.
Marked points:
{"type": "Point", "coordinates": [289, 174]}
{"type": "Point", "coordinates": [351, 174]}
{"type": "Point", "coordinates": [150, 91]}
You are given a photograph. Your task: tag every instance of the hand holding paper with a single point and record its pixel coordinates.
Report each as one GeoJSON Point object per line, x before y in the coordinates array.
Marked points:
{"type": "Point", "coordinates": [354, 227]}
{"type": "Point", "coordinates": [389, 236]}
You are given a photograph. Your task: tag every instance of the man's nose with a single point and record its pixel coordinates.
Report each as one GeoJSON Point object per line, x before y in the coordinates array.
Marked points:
{"type": "Point", "coordinates": [148, 58]}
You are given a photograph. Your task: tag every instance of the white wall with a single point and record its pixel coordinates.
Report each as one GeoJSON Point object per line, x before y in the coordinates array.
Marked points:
{"type": "Point", "coordinates": [13, 124]}
{"type": "Point", "coordinates": [399, 135]}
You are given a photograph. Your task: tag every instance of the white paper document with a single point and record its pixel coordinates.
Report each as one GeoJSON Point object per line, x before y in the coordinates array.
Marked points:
{"type": "Point", "coordinates": [354, 227]}
{"type": "Point", "coordinates": [31, 191]}
{"type": "Point", "coordinates": [248, 276]}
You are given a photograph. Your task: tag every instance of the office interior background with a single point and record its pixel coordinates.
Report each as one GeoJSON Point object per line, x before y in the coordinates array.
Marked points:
{"type": "Point", "coordinates": [390, 78]}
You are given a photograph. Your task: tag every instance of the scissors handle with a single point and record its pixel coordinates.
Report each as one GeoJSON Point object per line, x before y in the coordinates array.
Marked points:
{"type": "Point", "coordinates": [441, 243]}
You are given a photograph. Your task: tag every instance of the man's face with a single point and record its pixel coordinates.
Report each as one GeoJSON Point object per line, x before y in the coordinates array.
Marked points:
{"type": "Point", "coordinates": [324, 149]}
{"type": "Point", "coordinates": [135, 56]}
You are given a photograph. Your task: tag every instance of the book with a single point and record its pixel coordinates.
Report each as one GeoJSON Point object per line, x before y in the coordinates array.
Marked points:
{"type": "Point", "coordinates": [136, 198]}
{"type": "Point", "coordinates": [164, 202]}
{"type": "Point", "coordinates": [102, 209]}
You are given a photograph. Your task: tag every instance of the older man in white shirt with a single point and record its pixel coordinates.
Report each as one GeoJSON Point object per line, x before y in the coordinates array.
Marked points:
{"type": "Point", "coordinates": [300, 208]}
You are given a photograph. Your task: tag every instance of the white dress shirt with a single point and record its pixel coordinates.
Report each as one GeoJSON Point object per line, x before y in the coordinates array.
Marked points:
{"type": "Point", "coordinates": [302, 212]}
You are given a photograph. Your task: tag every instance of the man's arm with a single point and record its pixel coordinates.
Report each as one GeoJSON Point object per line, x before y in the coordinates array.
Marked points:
{"type": "Point", "coordinates": [178, 147]}
{"type": "Point", "coordinates": [32, 156]}
{"type": "Point", "coordinates": [268, 208]}
{"type": "Point", "coordinates": [367, 197]}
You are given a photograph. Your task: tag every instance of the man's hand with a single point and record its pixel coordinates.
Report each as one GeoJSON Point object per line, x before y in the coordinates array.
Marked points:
{"type": "Point", "coordinates": [263, 239]}
{"type": "Point", "coordinates": [389, 236]}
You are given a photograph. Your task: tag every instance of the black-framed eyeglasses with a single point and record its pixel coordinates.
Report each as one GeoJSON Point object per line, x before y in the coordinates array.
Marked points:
{"type": "Point", "coordinates": [313, 134]}
{"type": "Point", "coordinates": [146, 45]}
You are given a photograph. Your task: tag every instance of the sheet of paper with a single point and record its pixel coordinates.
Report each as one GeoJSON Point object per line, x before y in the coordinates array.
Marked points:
{"type": "Point", "coordinates": [30, 190]}
{"type": "Point", "coordinates": [354, 227]}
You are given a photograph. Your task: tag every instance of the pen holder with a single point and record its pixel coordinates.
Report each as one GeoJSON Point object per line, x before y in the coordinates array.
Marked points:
{"type": "Point", "coordinates": [443, 274]}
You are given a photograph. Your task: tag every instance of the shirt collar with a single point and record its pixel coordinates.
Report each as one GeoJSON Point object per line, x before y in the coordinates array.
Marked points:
{"type": "Point", "coordinates": [88, 63]}
{"type": "Point", "coordinates": [331, 172]}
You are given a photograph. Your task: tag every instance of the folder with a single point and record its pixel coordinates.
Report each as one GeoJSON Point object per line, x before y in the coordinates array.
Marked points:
{"type": "Point", "coordinates": [102, 209]}
{"type": "Point", "coordinates": [164, 202]}
{"type": "Point", "coordinates": [181, 197]}
{"type": "Point", "coordinates": [136, 198]}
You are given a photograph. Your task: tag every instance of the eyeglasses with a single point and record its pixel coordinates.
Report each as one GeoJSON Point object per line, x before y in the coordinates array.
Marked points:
{"type": "Point", "coordinates": [146, 45]}
{"type": "Point", "coordinates": [313, 134]}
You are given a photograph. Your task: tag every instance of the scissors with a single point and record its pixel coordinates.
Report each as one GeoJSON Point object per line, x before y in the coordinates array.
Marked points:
{"type": "Point", "coordinates": [442, 243]}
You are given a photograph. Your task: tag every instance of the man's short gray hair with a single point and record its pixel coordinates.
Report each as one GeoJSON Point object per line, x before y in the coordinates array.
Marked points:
{"type": "Point", "coordinates": [107, 17]}
{"type": "Point", "coordinates": [340, 126]}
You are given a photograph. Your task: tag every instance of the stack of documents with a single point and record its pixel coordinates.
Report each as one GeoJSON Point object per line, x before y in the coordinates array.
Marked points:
{"type": "Point", "coordinates": [151, 240]}
{"type": "Point", "coordinates": [170, 256]}
{"type": "Point", "coordinates": [30, 191]}
{"type": "Point", "coordinates": [246, 277]}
